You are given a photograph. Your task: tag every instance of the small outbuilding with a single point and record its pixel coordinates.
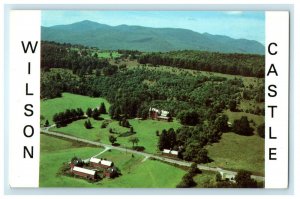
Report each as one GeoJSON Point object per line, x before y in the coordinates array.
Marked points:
{"type": "Point", "coordinates": [168, 152]}
{"type": "Point", "coordinates": [227, 176]}
{"type": "Point", "coordinates": [96, 162]}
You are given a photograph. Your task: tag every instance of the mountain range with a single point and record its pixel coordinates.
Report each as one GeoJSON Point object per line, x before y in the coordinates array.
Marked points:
{"type": "Point", "coordinates": [146, 39]}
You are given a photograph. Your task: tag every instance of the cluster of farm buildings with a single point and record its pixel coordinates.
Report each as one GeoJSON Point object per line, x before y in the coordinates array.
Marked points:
{"type": "Point", "coordinates": [158, 114]}
{"type": "Point", "coordinates": [93, 168]}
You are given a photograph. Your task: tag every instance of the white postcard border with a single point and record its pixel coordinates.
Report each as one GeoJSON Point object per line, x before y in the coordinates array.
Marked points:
{"type": "Point", "coordinates": [24, 68]}
{"type": "Point", "coordinates": [276, 99]}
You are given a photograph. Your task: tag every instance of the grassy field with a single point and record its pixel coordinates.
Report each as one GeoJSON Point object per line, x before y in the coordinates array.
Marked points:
{"type": "Point", "coordinates": [141, 174]}
{"type": "Point", "coordinates": [67, 101]}
{"type": "Point", "coordinates": [135, 171]}
{"type": "Point", "coordinates": [238, 152]}
{"type": "Point", "coordinates": [257, 119]}
{"type": "Point", "coordinates": [247, 80]}
{"type": "Point", "coordinates": [101, 54]}
{"type": "Point", "coordinates": [114, 54]}
{"type": "Point", "coordinates": [145, 131]}
{"type": "Point", "coordinates": [250, 104]}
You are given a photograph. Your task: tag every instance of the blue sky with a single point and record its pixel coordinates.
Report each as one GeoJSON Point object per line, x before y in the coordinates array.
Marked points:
{"type": "Point", "coordinates": [235, 24]}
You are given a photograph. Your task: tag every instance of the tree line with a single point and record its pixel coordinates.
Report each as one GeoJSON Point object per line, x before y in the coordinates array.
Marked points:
{"type": "Point", "coordinates": [66, 117]}
{"type": "Point", "coordinates": [55, 55]}
{"type": "Point", "coordinates": [234, 64]}
{"type": "Point", "coordinates": [132, 91]}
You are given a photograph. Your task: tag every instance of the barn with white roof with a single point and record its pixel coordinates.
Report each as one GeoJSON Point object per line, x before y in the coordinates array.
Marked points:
{"type": "Point", "coordinates": [83, 172]}
{"type": "Point", "coordinates": [96, 162]}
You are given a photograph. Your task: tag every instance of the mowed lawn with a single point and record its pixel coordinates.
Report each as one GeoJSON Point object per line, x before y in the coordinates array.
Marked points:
{"type": "Point", "coordinates": [145, 131]}
{"type": "Point", "coordinates": [136, 172]}
{"type": "Point", "coordinates": [236, 152]}
{"type": "Point", "coordinates": [147, 174]}
{"type": "Point", "coordinates": [68, 101]}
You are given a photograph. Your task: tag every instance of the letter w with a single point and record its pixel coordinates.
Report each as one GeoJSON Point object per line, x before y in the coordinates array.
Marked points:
{"type": "Point", "coordinates": [29, 45]}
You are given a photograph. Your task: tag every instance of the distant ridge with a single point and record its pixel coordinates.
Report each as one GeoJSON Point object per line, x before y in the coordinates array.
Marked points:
{"type": "Point", "coordinates": [147, 39]}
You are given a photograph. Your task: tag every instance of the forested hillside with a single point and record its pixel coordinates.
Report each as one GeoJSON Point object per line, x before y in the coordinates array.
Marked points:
{"type": "Point", "coordinates": [146, 39]}
{"type": "Point", "coordinates": [234, 64]}
{"type": "Point", "coordinates": [133, 91]}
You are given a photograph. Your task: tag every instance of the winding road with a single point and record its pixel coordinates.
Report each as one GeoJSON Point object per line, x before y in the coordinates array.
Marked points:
{"type": "Point", "coordinates": [146, 155]}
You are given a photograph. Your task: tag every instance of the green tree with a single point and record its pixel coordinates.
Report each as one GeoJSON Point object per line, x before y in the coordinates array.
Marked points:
{"type": "Point", "coordinates": [242, 126]}
{"type": "Point", "coordinates": [112, 139]}
{"type": "Point", "coordinates": [79, 112]}
{"type": "Point", "coordinates": [218, 177]}
{"type": "Point", "coordinates": [189, 118]}
{"type": "Point", "coordinates": [163, 140]}
{"type": "Point", "coordinates": [109, 70]}
{"type": "Point", "coordinates": [194, 170]}
{"type": "Point", "coordinates": [172, 138]}
{"type": "Point", "coordinates": [157, 132]}
{"type": "Point", "coordinates": [187, 181]}
{"type": "Point", "coordinates": [46, 123]}
{"type": "Point", "coordinates": [194, 152]}
{"type": "Point", "coordinates": [55, 118]}
{"type": "Point", "coordinates": [134, 140]}
{"type": "Point", "coordinates": [96, 114]}
{"type": "Point", "coordinates": [221, 123]}
{"type": "Point", "coordinates": [88, 124]}
{"type": "Point", "coordinates": [131, 130]}
{"type": "Point", "coordinates": [261, 130]}
{"type": "Point", "coordinates": [102, 108]}
{"type": "Point", "coordinates": [243, 179]}
{"type": "Point", "coordinates": [232, 105]}
{"type": "Point", "coordinates": [89, 112]}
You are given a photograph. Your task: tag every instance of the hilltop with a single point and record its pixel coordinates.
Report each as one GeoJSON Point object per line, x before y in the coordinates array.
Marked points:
{"type": "Point", "coordinates": [146, 39]}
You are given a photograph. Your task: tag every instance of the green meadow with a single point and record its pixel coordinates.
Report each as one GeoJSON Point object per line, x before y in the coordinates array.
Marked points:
{"type": "Point", "coordinates": [257, 119]}
{"type": "Point", "coordinates": [236, 152]}
{"type": "Point", "coordinates": [138, 172]}
{"type": "Point", "coordinates": [145, 131]}
{"type": "Point", "coordinates": [51, 106]}
{"type": "Point", "coordinates": [232, 152]}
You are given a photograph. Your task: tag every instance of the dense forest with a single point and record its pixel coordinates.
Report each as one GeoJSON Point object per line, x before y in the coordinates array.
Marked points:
{"type": "Point", "coordinates": [132, 91]}
{"type": "Point", "coordinates": [196, 101]}
{"type": "Point", "coordinates": [234, 64]}
{"type": "Point", "coordinates": [54, 55]}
